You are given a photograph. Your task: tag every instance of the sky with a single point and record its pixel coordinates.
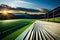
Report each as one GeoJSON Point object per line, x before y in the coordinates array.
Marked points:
{"type": "Point", "coordinates": [34, 4]}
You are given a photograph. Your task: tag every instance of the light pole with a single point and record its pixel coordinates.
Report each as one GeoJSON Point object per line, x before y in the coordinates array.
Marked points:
{"type": "Point", "coordinates": [47, 16]}
{"type": "Point", "coordinates": [53, 16]}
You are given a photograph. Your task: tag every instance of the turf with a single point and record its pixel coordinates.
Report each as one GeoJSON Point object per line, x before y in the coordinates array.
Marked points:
{"type": "Point", "coordinates": [7, 27]}
{"type": "Point", "coordinates": [57, 19]}
{"type": "Point", "coordinates": [15, 34]}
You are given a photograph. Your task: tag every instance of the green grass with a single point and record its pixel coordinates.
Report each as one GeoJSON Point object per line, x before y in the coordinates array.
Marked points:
{"type": "Point", "coordinates": [57, 19]}
{"type": "Point", "coordinates": [15, 34]}
{"type": "Point", "coordinates": [17, 24]}
{"type": "Point", "coordinates": [7, 24]}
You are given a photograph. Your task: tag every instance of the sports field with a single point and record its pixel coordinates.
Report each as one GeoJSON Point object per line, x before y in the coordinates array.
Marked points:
{"type": "Point", "coordinates": [57, 19]}
{"type": "Point", "coordinates": [10, 29]}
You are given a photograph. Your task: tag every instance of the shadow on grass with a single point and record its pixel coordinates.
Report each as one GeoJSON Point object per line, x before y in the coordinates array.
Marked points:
{"type": "Point", "coordinates": [9, 31]}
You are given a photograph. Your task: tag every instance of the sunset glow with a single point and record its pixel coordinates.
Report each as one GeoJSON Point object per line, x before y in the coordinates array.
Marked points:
{"type": "Point", "coordinates": [5, 12]}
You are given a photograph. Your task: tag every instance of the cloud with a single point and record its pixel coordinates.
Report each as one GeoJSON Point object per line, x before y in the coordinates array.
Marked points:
{"type": "Point", "coordinates": [18, 3]}
{"type": "Point", "coordinates": [12, 5]}
{"type": "Point", "coordinates": [24, 2]}
{"type": "Point", "coordinates": [21, 3]}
